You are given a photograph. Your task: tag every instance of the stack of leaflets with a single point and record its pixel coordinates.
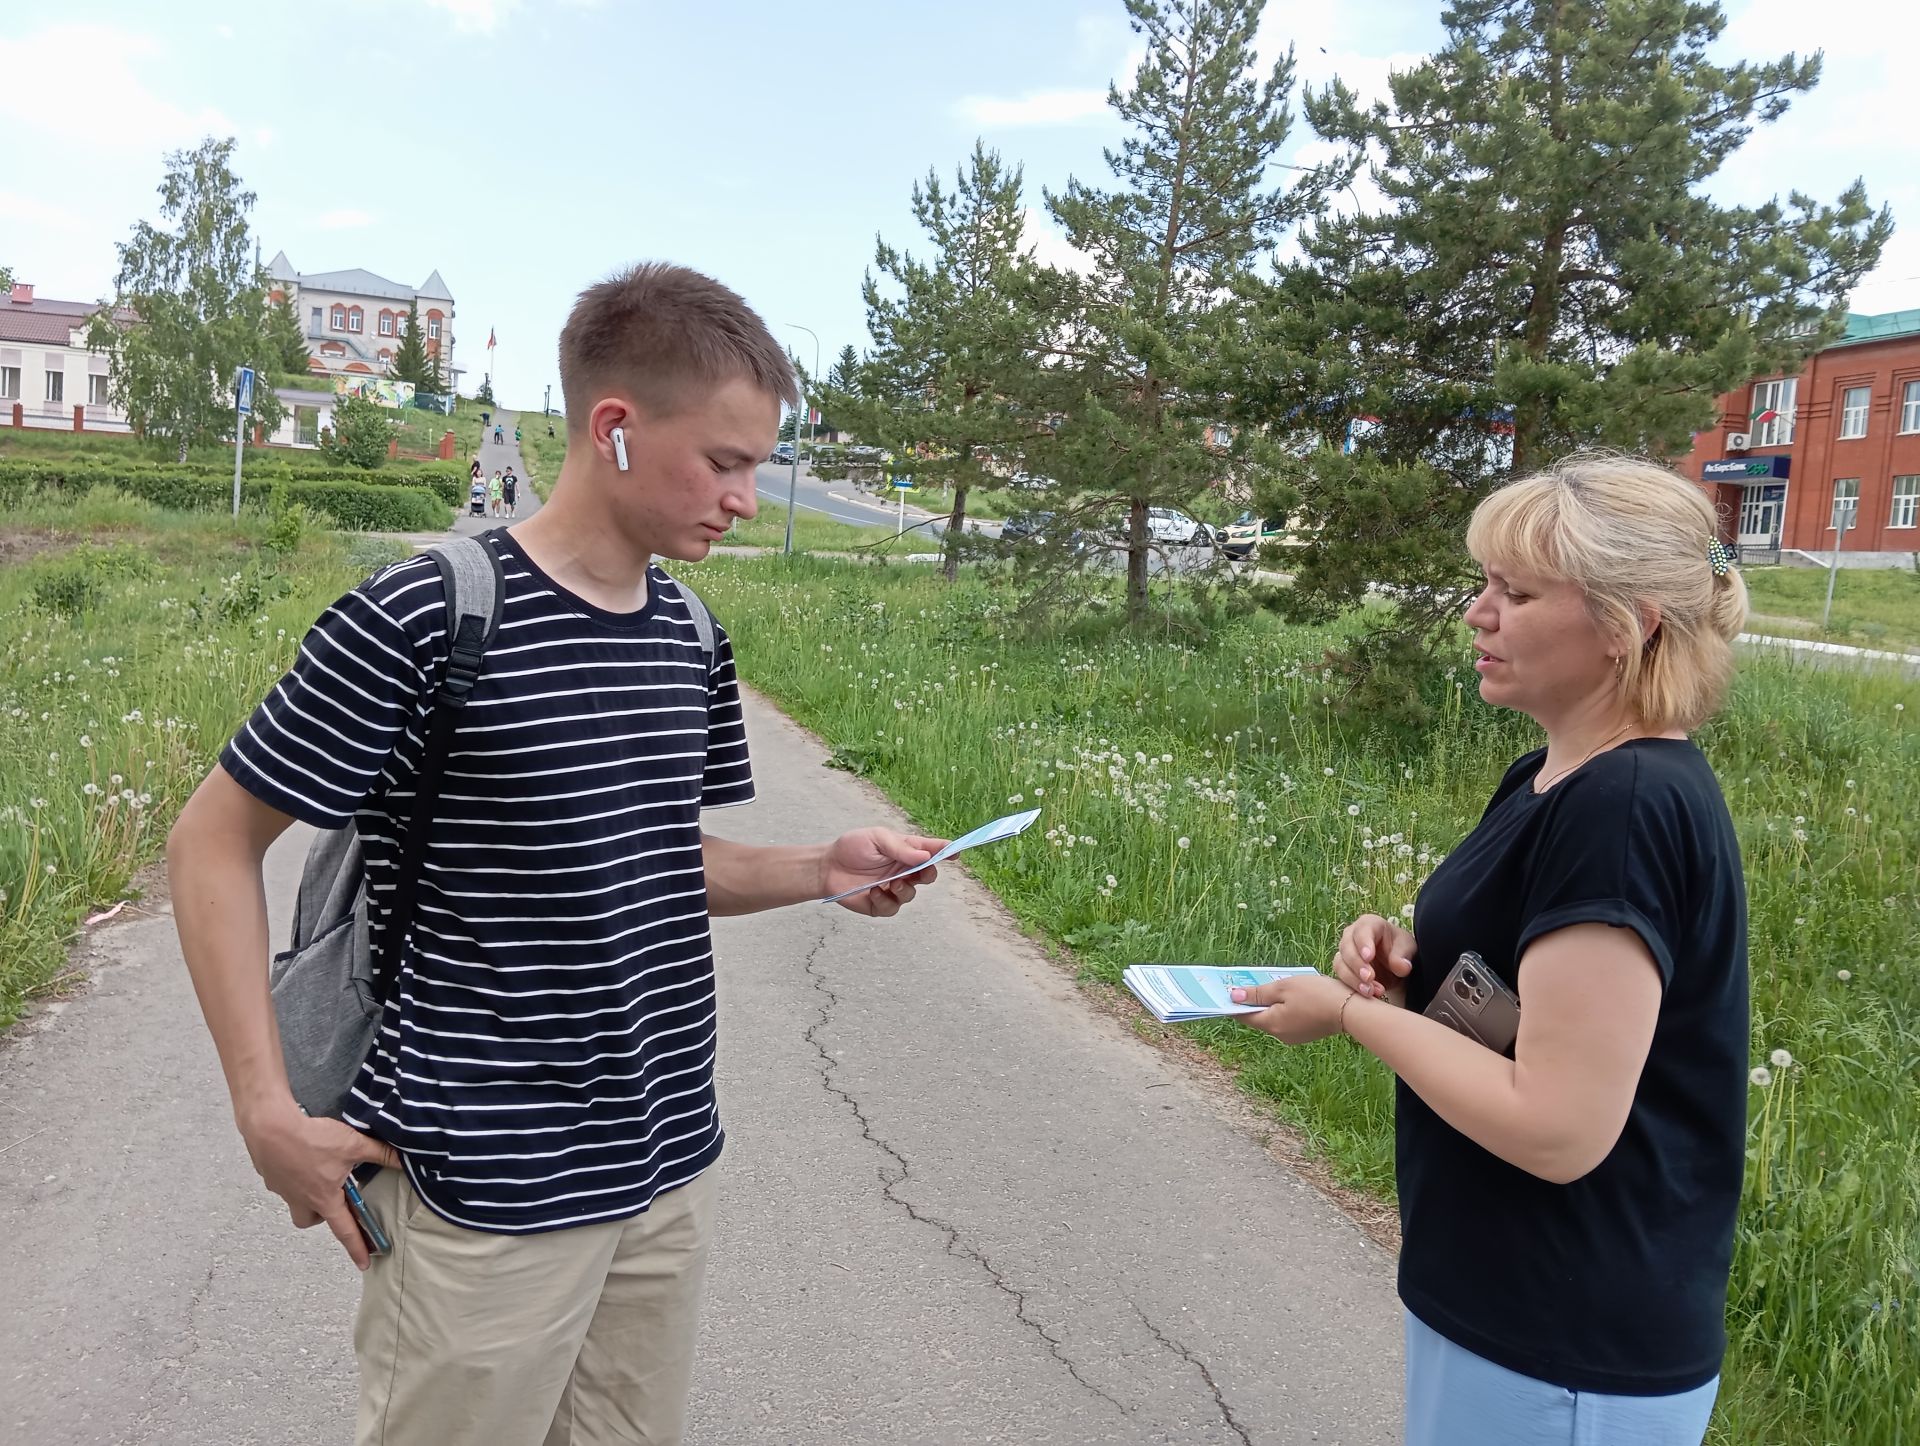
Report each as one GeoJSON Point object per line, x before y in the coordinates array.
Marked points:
{"type": "Point", "coordinates": [1176, 993]}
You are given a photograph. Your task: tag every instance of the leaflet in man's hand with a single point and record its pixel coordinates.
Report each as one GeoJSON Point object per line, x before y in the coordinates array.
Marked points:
{"type": "Point", "coordinates": [1176, 993]}
{"type": "Point", "coordinates": [993, 832]}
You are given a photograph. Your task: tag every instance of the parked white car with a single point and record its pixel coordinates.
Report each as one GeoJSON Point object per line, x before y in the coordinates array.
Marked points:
{"type": "Point", "coordinates": [1166, 525]}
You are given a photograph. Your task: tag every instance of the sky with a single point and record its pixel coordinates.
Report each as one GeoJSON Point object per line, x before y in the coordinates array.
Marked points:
{"type": "Point", "coordinates": [526, 150]}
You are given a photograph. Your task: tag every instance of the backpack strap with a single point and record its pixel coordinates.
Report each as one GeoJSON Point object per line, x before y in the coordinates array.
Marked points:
{"type": "Point", "coordinates": [702, 621]}
{"type": "Point", "coordinates": [476, 592]}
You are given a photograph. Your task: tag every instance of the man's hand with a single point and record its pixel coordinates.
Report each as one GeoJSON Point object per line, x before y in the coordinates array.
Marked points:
{"type": "Point", "coordinates": [874, 853]}
{"type": "Point", "coordinates": [305, 1162]}
{"type": "Point", "coordinates": [1299, 1009]}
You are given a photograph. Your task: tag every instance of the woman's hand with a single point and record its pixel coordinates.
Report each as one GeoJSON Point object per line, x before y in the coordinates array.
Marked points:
{"type": "Point", "coordinates": [1374, 959]}
{"type": "Point", "coordinates": [1298, 1009]}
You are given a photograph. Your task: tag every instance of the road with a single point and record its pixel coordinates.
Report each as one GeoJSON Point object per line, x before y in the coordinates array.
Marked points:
{"type": "Point", "coordinates": [959, 1205]}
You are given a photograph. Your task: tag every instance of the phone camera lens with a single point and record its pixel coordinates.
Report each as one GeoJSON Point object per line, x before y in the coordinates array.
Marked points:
{"type": "Point", "coordinates": [1460, 988]}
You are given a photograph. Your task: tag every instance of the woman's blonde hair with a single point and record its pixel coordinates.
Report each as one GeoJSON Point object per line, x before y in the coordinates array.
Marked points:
{"type": "Point", "coordinates": [1634, 537]}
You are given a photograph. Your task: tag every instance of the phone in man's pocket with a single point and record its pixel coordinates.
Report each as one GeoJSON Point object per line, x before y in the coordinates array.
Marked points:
{"type": "Point", "coordinates": [370, 1228]}
{"type": "Point", "coordinates": [1475, 1001]}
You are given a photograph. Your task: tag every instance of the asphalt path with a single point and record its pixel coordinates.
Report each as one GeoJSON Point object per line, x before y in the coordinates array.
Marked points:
{"type": "Point", "coordinates": [958, 1204]}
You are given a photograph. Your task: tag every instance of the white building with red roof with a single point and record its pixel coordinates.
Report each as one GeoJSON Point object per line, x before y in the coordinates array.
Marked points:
{"type": "Point", "coordinates": [48, 378]}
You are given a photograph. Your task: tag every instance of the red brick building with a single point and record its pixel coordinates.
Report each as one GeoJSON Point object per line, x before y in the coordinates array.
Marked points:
{"type": "Point", "coordinates": [1790, 453]}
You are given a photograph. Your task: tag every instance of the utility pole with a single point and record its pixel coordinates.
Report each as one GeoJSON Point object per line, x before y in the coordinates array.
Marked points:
{"type": "Point", "coordinates": [793, 470]}
{"type": "Point", "coordinates": [1843, 519]}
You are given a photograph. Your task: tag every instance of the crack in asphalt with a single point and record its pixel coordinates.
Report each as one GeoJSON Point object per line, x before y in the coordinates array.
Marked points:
{"type": "Point", "coordinates": [902, 1171]}
{"type": "Point", "coordinates": [1226, 1411]}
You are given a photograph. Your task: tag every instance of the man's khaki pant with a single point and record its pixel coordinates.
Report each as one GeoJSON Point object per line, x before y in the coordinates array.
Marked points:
{"type": "Point", "coordinates": [568, 1338]}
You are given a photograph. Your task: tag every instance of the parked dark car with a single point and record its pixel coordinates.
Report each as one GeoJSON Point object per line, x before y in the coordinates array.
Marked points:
{"type": "Point", "coordinates": [783, 454]}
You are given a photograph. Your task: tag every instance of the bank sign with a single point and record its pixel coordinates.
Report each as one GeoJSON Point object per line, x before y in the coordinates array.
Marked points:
{"type": "Point", "coordinates": [1744, 469]}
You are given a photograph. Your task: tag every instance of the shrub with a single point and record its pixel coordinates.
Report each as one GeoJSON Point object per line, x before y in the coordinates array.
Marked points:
{"type": "Point", "coordinates": [359, 506]}
{"type": "Point", "coordinates": [73, 582]}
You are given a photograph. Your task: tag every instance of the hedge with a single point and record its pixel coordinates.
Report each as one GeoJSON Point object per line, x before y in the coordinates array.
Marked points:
{"type": "Point", "coordinates": [359, 506]}
{"type": "Point", "coordinates": [446, 481]}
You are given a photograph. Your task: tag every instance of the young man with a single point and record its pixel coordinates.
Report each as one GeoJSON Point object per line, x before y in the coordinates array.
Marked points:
{"type": "Point", "coordinates": [544, 1072]}
{"type": "Point", "coordinates": [509, 490]}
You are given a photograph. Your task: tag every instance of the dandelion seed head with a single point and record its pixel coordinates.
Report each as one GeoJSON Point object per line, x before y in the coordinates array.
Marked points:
{"type": "Point", "coordinates": [1780, 1059]}
{"type": "Point", "coordinates": [1761, 1076]}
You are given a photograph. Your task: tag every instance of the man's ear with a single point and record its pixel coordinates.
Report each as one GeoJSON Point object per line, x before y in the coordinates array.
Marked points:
{"type": "Point", "coordinates": [608, 415]}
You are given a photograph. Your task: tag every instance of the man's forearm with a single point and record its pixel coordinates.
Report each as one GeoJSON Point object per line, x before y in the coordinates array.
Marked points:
{"type": "Point", "coordinates": [220, 910]}
{"type": "Point", "coordinates": [746, 878]}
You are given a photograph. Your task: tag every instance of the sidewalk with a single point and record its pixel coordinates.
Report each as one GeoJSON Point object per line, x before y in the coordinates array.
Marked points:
{"type": "Point", "coordinates": [959, 1204]}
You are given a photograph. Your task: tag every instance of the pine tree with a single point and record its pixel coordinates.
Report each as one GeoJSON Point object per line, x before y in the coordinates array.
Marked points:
{"type": "Point", "coordinates": [198, 303]}
{"type": "Point", "coordinates": [953, 339]}
{"type": "Point", "coordinates": [1545, 274]}
{"type": "Point", "coordinates": [410, 362]}
{"type": "Point", "coordinates": [1172, 249]}
{"type": "Point", "coordinates": [283, 336]}
{"type": "Point", "coordinates": [845, 376]}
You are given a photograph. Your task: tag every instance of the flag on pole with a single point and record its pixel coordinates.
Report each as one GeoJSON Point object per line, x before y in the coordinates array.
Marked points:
{"type": "Point", "coordinates": [489, 338]}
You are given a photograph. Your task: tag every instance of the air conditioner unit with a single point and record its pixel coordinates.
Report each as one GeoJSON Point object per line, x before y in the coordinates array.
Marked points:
{"type": "Point", "coordinates": [1738, 441]}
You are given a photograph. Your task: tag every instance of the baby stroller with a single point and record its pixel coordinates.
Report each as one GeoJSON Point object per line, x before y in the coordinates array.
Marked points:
{"type": "Point", "coordinates": [477, 498]}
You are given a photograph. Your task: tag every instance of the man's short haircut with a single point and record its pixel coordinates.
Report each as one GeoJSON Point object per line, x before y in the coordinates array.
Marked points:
{"type": "Point", "coordinates": [663, 334]}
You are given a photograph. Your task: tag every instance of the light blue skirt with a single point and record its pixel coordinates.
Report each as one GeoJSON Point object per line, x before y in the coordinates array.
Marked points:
{"type": "Point", "coordinates": [1455, 1398]}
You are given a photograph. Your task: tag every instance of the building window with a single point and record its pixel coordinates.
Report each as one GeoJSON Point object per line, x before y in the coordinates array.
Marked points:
{"type": "Point", "coordinates": [1772, 415]}
{"type": "Point", "coordinates": [383, 356]}
{"type": "Point", "coordinates": [1846, 501]}
{"type": "Point", "coordinates": [337, 318]}
{"type": "Point", "coordinates": [306, 426]}
{"type": "Point", "coordinates": [1910, 408]}
{"type": "Point", "coordinates": [433, 328]}
{"type": "Point", "coordinates": [10, 384]}
{"type": "Point", "coordinates": [1906, 502]}
{"type": "Point", "coordinates": [315, 329]}
{"type": "Point", "coordinates": [1853, 411]}
{"type": "Point", "coordinates": [56, 386]}
{"type": "Point", "coordinates": [96, 391]}
{"type": "Point", "coordinates": [355, 318]}
{"type": "Point", "coordinates": [386, 323]}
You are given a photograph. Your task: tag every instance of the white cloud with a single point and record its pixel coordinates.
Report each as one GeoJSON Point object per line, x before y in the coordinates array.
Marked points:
{"type": "Point", "coordinates": [1049, 246]}
{"type": "Point", "coordinates": [477, 17]}
{"type": "Point", "coordinates": [224, 31]}
{"type": "Point", "coordinates": [118, 112]}
{"type": "Point", "coordinates": [34, 212]}
{"type": "Point", "coordinates": [1040, 108]}
{"type": "Point", "coordinates": [344, 220]}
{"type": "Point", "coordinates": [265, 136]}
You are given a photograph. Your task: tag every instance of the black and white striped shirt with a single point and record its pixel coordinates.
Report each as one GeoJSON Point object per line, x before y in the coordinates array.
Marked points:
{"type": "Point", "coordinates": [548, 1058]}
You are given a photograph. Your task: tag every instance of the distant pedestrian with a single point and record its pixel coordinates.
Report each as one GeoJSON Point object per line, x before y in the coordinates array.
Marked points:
{"type": "Point", "coordinates": [496, 433]}
{"type": "Point", "coordinates": [516, 434]}
{"type": "Point", "coordinates": [473, 472]}
{"type": "Point", "coordinates": [509, 489]}
{"type": "Point", "coordinates": [496, 488]}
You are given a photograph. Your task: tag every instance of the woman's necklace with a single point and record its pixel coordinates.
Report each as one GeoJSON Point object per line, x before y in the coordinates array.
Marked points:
{"type": "Point", "coordinates": [1541, 785]}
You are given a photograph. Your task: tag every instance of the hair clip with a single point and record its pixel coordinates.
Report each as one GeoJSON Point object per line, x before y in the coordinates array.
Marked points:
{"type": "Point", "coordinates": [1721, 557]}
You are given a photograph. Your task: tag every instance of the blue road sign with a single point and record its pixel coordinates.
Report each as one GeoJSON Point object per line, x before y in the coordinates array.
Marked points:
{"type": "Point", "coordinates": [243, 391]}
{"type": "Point", "coordinates": [903, 484]}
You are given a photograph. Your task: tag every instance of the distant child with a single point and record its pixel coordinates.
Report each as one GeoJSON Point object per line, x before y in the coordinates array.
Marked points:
{"type": "Point", "coordinates": [495, 490]}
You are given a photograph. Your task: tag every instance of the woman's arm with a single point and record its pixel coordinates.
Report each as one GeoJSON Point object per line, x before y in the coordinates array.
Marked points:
{"type": "Point", "coordinates": [1589, 999]}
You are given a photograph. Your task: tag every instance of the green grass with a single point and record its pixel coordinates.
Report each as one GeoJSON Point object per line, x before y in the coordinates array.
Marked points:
{"type": "Point", "coordinates": [1204, 803]}
{"type": "Point", "coordinates": [137, 640]}
{"type": "Point", "coordinates": [541, 453]}
{"type": "Point", "coordinates": [36, 444]}
{"type": "Point", "coordinates": [1873, 607]}
{"type": "Point", "coordinates": [420, 431]}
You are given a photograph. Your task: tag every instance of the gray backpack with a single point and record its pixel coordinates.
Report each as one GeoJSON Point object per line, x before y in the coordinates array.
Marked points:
{"type": "Point", "coordinates": [328, 989]}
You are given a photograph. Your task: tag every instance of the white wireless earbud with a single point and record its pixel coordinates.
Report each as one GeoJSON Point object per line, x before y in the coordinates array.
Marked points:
{"type": "Point", "coordinates": [620, 449]}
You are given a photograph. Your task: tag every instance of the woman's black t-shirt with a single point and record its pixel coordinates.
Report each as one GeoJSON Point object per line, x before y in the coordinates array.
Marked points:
{"type": "Point", "coordinates": [1617, 1282]}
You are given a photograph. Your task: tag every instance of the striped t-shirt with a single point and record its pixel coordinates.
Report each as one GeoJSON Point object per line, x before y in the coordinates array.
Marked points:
{"type": "Point", "coordinates": [547, 1059]}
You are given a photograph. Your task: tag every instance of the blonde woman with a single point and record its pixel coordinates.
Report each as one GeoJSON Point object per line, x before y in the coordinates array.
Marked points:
{"type": "Point", "coordinates": [1568, 1211]}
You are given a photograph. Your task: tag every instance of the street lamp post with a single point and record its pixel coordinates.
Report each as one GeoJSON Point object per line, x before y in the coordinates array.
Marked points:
{"type": "Point", "coordinates": [1843, 519]}
{"type": "Point", "coordinates": [793, 468]}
